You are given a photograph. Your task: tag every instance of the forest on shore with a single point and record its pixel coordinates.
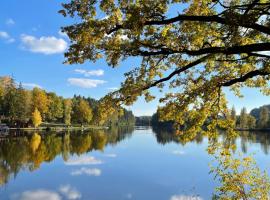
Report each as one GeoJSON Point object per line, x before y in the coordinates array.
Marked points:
{"type": "Point", "coordinates": [257, 118]}
{"type": "Point", "coordinates": [20, 108]}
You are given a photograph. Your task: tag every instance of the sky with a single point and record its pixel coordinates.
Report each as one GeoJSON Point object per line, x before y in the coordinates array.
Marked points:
{"type": "Point", "coordinates": [32, 52]}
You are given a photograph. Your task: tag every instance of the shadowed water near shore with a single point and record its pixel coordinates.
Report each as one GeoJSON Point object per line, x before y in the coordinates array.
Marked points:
{"type": "Point", "coordinates": [121, 163]}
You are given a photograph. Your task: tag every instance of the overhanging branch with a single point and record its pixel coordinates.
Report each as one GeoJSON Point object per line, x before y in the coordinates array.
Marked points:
{"type": "Point", "coordinates": [224, 50]}
{"type": "Point", "coordinates": [199, 18]}
{"type": "Point", "coordinates": [177, 72]}
{"type": "Point", "coordinates": [245, 77]}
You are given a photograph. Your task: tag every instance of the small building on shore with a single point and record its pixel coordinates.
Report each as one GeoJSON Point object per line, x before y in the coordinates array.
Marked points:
{"type": "Point", "coordinates": [3, 128]}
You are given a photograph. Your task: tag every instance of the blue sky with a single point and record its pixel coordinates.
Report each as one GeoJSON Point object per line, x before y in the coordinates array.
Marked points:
{"type": "Point", "coordinates": [31, 50]}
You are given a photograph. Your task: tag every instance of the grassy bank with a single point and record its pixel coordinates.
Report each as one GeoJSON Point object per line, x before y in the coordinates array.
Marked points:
{"type": "Point", "coordinates": [60, 127]}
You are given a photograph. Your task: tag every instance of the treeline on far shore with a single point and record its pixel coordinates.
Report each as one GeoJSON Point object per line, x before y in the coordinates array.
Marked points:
{"type": "Point", "coordinates": [257, 118]}
{"type": "Point", "coordinates": [23, 108]}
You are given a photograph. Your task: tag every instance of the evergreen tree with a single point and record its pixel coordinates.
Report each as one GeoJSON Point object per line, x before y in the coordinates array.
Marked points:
{"type": "Point", "coordinates": [251, 122]}
{"type": "Point", "coordinates": [22, 105]}
{"type": "Point", "coordinates": [233, 114]}
{"type": "Point", "coordinates": [243, 119]}
{"type": "Point", "coordinates": [9, 103]}
{"type": "Point", "coordinates": [264, 118]}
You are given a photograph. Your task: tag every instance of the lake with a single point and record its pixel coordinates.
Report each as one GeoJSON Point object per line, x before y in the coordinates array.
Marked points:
{"type": "Point", "coordinates": [122, 163]}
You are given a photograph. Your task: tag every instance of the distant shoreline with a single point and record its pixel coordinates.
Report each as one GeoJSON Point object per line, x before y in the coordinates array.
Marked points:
{"type": "Point", "coordinates": [60, 128]}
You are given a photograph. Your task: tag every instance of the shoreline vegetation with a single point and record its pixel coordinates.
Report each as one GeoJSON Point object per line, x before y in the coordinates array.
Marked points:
{"type": "Point", "coordinates": [258, 119]}
{"type": "Point", "coordinates": [37, 108]}
{"type": "Point", "coordinates": [61, 128]}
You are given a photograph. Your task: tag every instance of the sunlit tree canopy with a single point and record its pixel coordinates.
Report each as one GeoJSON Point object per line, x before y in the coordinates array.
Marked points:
{"type": "Point", "coordinates": [189, 49]}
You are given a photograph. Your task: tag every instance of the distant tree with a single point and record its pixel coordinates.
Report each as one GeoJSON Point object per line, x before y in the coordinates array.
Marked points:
{"type": "Point", "coordinates": [9, 109]}
{"type": "Point", "coordinates": [101, 117]}
{"type": "Point", "coordinates": [233, 114]}
{"type": "Point", "coordinates": [264, 118]}
{"type": "Point", "coordinates": [40, 101]}
{"type": "Point", "coordinates": [144, 120]}
{"type": "Point", "coordinates": [55, 109]}
{"type": "Point", "coordinates": [67, 111]}
{"type": "Point", "coordinates": [36, 118]}
{"type": "Point", "coordinates": [243, 118]}
{"type": "Point", "coordinates": [23, 105]}
{"type": "Point", "coordinates": [14, 102]}
{"type": "Point", "coordinates": [82, 113]}
{"type": "Point", "coordinates": [251, 121]}
{"type": "Point", "coordinates": [17, 106]}
{"type": "Point", "coordinates": [1, 101]}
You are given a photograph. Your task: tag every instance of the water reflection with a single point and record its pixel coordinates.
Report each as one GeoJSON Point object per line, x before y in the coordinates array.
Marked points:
{"type": "Point", "coordinates": [27, 151]}
{"type": "Point", "coordinates": [246, 139]}
{"type": "Point", "coordinates": [30, 150]}
{"type": "Point", "coordinates": [65, 191]}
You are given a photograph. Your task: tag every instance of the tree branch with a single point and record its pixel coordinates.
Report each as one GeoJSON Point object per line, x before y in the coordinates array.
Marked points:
{"type": "Point", "coordinates": [225, 50]}
{"type": "Point", "coordinates": [212, 18]}
{"type": "Point", "coordinates": [176, 72]}
{"type": "Point", "coordinates": [245, 77]}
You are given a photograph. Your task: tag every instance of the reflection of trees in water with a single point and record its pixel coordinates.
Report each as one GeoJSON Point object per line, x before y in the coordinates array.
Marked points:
{"type": "Point", "coordinates": [248, 138]}
{"type": "Point", "coordinates": [165, 135]}
{"type": "Point", "coordinates": [119, 133]}
{"type": "Point", "coordinates": [238, 178]}
{"type": "Point", "coordinates": [262, 138]}
{"type": "Point", "coordinates": [29, 151]}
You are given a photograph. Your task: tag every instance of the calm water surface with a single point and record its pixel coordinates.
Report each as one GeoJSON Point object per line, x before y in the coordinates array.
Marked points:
{"type": "Point", "coordinates": [118, 164]}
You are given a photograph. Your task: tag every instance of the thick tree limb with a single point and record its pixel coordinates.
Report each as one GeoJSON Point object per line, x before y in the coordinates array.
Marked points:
{"type": "Point", "coordinates": [227, 51]}
{"type": "Point", "coordinates": [212, 18]}
{"type": "Point", "coordinates": [245, 77]}
{"type": "Point", "coordinates": [177, 72]}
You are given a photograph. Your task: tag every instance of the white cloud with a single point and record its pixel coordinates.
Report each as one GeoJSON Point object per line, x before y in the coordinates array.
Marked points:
{"type": "Point", "coordinates": [110, 155]}
{"type": "Point", "coordinates": [86, 171]}
{"type": "Point", "coordinates": [39, 195]}
{"type": "Point", "coordinates": [83, 160]}
{"type": "Point", "coordinates": [87, 73]}
{"type": "Point", "coordinates": [5, 36]}
{"type": "Point", "coordinates": [10, 21]}
{"type": "Point", "coordinates": [178, 152]}
{"type": "Point", "coordinates": [31, 85]}
{"type": "Point", "coordinates": [185, 197]}
{"type": "Point", "coordinates": [85, 83]}
{"type": "Point", "coordinates": [45, 45]}
{"type": "Point", "coordinates": [70, 192]}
